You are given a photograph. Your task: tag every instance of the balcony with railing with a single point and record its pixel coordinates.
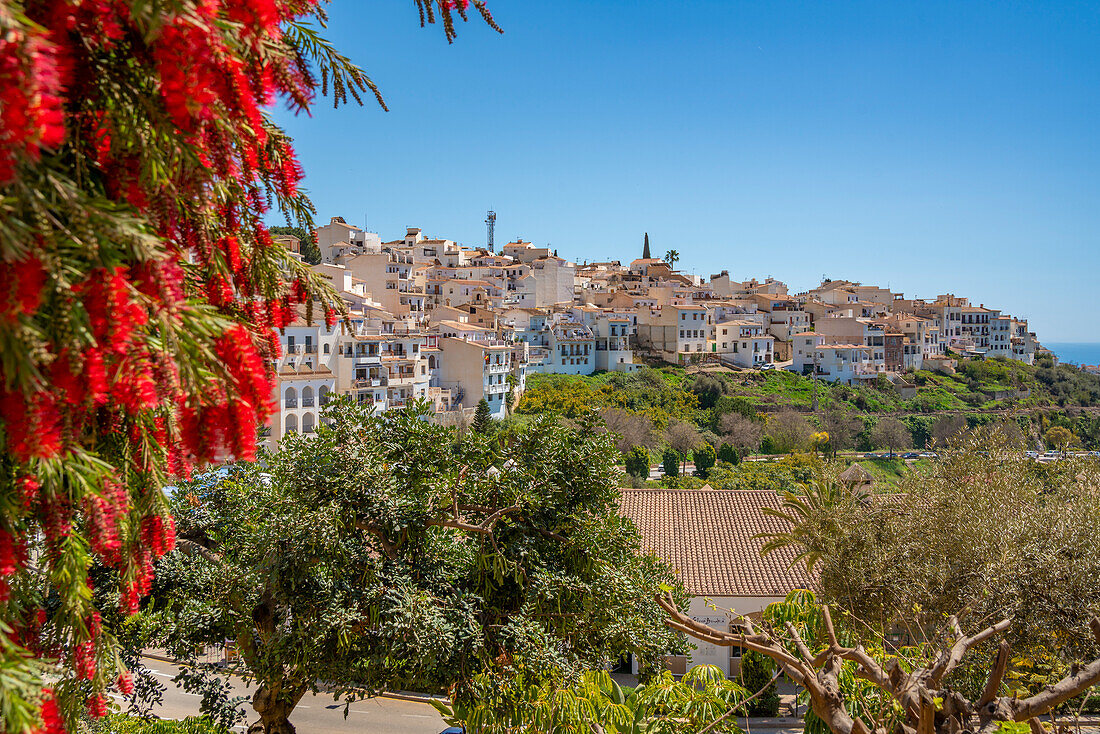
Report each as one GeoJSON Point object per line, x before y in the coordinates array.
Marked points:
{"type": "Point", "coordinates": [311, 349]}
{"type": "Point", "coordinates": [290, 402]}
{"type": "Point", "coordinates": [401, 378]}
{"type": "Point", "coordinates": [293, 348]}
{"type": "Point", "coordinates": [497, 388]}
{"type": "Point", "coordinates": [307, 402]}
{"type": "Point", "coordinates": [498, 369]}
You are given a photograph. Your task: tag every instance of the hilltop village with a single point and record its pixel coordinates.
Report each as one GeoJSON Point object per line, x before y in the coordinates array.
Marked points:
{"type": "Point", "coordinates": [433, 320]}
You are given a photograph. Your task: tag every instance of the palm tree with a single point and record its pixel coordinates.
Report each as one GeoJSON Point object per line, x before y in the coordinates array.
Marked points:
{"type": "Point", "coordinates": [671, 257]}
{"type": "Point", "coordinates": [815, 515]}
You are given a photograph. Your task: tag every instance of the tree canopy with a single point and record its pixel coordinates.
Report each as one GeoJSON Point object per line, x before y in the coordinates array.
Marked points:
{"type": "Point", "coordinates": [985, 529]}
{"type": "Point", "coordinates": [857, 683]}
{"type": "Point", "coordinates": [408, 553]}
{"type": "Point", "coordinates": [143, 293]}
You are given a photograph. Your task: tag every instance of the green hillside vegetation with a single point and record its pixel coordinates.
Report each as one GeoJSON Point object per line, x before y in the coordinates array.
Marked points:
{"type": "Point", "coordinates": [1034, 397]}
{"type": "Point", "coordinates": [792, 472]}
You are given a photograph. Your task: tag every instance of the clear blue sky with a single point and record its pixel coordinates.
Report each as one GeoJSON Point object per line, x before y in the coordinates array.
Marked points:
{"type": "Point", "coordinates": [932, 146]}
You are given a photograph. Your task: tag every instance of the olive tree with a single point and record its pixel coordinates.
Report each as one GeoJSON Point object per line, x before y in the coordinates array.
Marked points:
{"type": "Point", "coordinates": [946, 429]}
{"type": "Point", "coordinates": [683, 438]}
{"type": "Point", "coordinates": [856, 687]}
{"type": "Point", "coordinates": [984, 529]}
{"type": "Point", "coordinates": [741, 432]}
{"type": "Point", "coordinates": [790, 431]}
{"type": "Point", "coordinates": [631, 429]}
{"type": "Point", "coordinates": [891, 434]}
{"type": "Point", "coordinates": [387, 551]}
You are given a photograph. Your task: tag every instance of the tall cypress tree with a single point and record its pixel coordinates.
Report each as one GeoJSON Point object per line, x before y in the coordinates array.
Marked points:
{"type": "Point", "coordinates": [645, 248]}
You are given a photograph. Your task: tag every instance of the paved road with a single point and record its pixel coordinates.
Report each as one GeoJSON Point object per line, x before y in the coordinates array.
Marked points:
{"type": "Point", "coordinates": [316, 714]}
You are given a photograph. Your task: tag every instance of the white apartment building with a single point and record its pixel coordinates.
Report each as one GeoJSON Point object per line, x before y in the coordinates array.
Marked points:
{"type": "Point", "coordinates": [612, 332]}
{"type": "Point", "coordinates": [570, 350]}
{"type": "Point", "coordinates": [678, 332]}
{"type": "Point", "coordinates": [339, 239]}
{"type": "Point", "coordinates": [744, 343]}
{"type": "Point", "coordinates": [844, 363]}
{"type": "Point", "coordinates": [1000, 335]}
{"type": "Point", "coordinates": [855, 330]}
{"type": "Point", "coordinates": [476, 369]}
{"type": "Point", "coordinates": [305, 378]}
{"type": "Point", "coordinates": [1024, 344]}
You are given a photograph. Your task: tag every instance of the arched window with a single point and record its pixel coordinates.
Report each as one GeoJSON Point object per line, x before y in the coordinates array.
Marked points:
{"type": "Point", "coordinates": [290, 398]}
{"type": "Point", "coordinates": [326, 348]}
{"type": "Point", "coordinates": [307, 397]}
{"type": "Point", "coordinates": [291, 424]}
{"type": "Point", "coordinates": [322, 395]}
{"type": "Point", "coordinates": [308, 423]}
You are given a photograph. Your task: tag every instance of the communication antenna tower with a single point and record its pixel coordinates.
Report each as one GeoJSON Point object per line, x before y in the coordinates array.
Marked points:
{"type": "Point", "coordinates": [490, 225]}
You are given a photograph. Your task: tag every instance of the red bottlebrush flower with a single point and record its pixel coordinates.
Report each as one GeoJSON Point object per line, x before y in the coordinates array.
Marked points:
{"type": "Point", "coordinates": [97, 706]}
{"type": "Point", "coordinates": [125, 683]}
{"type": "Point", "coordinates": [160, 281]}
{"type": "Point", "coordinates": [218, 291]}
{"type": "Point", "coordinates": [263, 238]}
{"type": "Point", "coordinates": [55, 516]}
{"type": "Point", "coordinates": [243, 362]}
{"type": "Point", "coordinates": [67, 380]}
{"type": "Point", "coordinates": [169, 534]}
{"type": "Point", "coordinates": [330, 317]}
{"type": "Point", "coordinates": [31, 113]}
{"type": "Point", "coordinates": [112, 314]}
{"type": "Point", "coordinates": [27, 278]}
{"type": "Point", "coordinates": [130, 603]}
{"type": "Point", "coordinates": [101, 529]}
{"type": "Point", "coordinates": [12, 552]}
{"type": "Point", "coordinates": [32, 425]}
{"type": "Point", "coordinates": [51, 717]}
{"type": "Point", "coordinates": [84, 659]}
{"type": "Point", "coordinates": [299, 291]}
{"type": "Point", "coordinates": [232, 250]}
{"type": "Point", "coordinates": [95, 375]}
{"type": "Point", "coordinates": [7, 553]}
{"type": "Point", "coordinates": [28, 488]}
{"type": "Point", "coordinates": [134, 388]}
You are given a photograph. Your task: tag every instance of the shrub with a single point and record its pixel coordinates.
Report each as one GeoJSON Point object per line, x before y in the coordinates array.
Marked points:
{"type": "Point", "coordinates": [756, 672]}
{"type": "Point", "coordinates": [767, 446]}
{"type": "Point", "coordinates": [739, 404]}
{"type": "Point", "coordinates": [729, 454]}
{"type": "Point", "coordinates": [637, 462]}
{"type": "Point", "coordinates": [670, 460]}
{"type": "Point", "coordinates": [122, 724]}
{"type": "Point", "coordinates": [705, 457]}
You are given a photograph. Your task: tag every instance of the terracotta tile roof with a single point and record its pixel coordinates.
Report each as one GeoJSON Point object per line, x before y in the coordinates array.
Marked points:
{"type": "Point", "coordinates": [707, 536]}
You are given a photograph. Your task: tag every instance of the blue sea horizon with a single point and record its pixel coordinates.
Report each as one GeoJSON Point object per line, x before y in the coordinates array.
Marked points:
{"type": "Point", "coordinates": [1076, 352]}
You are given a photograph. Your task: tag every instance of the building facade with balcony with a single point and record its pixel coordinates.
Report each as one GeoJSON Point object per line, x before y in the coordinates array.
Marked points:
{"type": "Point", "coordinates": [476, 369]}
{"type": "Point", "coordinates": [744, 343]}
